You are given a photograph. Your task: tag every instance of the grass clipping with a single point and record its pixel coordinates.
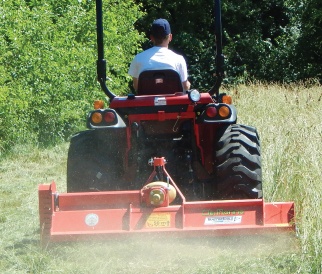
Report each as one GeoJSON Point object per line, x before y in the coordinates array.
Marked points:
{"type": "Point", "coordinates": [288, 119]}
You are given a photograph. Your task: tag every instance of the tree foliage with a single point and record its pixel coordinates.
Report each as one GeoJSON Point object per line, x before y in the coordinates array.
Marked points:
{"type": "Point", "coordinates": [48, 64]}
{"type": "Point", "coordinates": [309, 47]}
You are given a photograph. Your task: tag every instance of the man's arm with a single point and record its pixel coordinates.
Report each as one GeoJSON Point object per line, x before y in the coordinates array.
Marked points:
{"type": "Point", "coordinates": [186, 85]}
{"type": "Point", "coordinates": [135, 83]}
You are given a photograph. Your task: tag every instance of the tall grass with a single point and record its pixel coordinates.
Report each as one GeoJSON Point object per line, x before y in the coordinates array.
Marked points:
{"type": "Point", "coordinates": [288, 121]}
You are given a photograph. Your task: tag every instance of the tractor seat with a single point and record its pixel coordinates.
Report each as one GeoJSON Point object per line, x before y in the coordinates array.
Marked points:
{"type": "Point", "coordinates": [153, 82]}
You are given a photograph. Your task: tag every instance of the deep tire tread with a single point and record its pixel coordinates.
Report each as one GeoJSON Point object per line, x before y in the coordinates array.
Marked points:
{"type": "Point", "coordinates": [238, 163]}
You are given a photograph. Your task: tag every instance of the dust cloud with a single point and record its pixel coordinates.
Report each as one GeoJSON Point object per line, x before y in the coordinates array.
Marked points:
{"type": "Point", "coordinates": [160, 254]}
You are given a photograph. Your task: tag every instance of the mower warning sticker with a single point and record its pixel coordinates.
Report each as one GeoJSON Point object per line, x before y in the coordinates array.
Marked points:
{"type": "Point", "coordinates": [158, 220]}
{"type": "Point", "coordinates": [91, 219]}
{"type": "Point", "coordinates": [223, 220]}
{"type": "Point", "coordinates": [160, 101]}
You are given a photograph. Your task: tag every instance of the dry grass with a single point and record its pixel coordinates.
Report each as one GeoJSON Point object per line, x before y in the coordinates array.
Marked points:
{"type": "Point", "coordinates": [289, 124]}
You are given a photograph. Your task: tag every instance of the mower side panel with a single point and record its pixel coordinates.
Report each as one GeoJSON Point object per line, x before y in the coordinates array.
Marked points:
{"type": "Point", "coordinates": [76, 215]}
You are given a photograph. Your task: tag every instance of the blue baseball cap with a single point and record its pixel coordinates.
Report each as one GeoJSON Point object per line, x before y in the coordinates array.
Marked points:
{"type": "Point", "coordinates": [160, 28]}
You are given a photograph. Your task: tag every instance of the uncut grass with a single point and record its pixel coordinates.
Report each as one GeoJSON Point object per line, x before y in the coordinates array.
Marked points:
{"type": "Point", "coordinates": [288, 121]}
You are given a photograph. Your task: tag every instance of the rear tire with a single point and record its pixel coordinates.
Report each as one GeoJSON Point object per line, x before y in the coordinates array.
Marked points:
{"type": "Point", "coordinates": [94, 161]}
{"type": "Point", "coordinates": [238, 164]}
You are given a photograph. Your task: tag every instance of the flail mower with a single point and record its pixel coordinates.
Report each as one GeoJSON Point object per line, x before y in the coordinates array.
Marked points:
{"type": "Point", "coordinates": [162, 161]}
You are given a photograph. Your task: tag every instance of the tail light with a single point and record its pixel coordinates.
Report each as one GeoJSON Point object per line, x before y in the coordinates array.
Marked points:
{"type": "Point", "coordinates": [216, 112]}
{"type": "Point", "coordinates": [96, 117]}
{"type": "Point", "coordinates": [102, 118]}
{"type": "Point", "coordinates": [109, 117]}
{"type": "Point", "coordinates": [211, 112]}
{"type": "Point", "coordinates": [224, 111]}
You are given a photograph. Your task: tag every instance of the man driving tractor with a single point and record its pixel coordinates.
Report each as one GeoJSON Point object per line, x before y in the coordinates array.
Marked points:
{"type": "Point", "coordinates": [159, 56]}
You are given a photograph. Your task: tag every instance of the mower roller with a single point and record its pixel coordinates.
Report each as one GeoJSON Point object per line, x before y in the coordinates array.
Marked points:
{"type": "Point", "coordinates": [162, 161]}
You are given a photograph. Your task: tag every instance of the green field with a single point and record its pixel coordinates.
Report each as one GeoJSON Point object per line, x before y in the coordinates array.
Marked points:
{"type": "Point", "coordinates": [288, 119]}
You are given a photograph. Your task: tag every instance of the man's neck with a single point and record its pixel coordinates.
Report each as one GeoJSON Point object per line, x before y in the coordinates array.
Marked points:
{"type": "Point", "coordinates": [163, 45]}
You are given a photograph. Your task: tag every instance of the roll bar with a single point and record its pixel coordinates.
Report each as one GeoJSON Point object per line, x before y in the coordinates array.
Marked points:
{"type": "Point", "coordinates": [101, 62]}
{"type": "Point", "coordinates": [219, 55]}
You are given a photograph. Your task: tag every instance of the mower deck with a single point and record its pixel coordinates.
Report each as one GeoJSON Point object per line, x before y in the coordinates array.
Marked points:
{"type": "Point", "coordinates": [70, 216]}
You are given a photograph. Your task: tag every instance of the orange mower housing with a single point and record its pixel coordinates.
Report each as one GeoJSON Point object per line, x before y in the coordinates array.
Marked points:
{"type": "Point", "coordinates": [90, 215]}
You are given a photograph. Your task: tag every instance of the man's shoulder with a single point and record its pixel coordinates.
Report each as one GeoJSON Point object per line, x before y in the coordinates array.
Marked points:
{"type": "Point", "coordinates": [146, 53]}
{"type": "Point", "coordinates": [174, 53]}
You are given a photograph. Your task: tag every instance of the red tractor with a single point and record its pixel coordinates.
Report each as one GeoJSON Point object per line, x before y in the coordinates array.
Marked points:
{"type": "Point", "coordinates": [208, 154]}
{"type": "Point", "coordinates": [116, 169]}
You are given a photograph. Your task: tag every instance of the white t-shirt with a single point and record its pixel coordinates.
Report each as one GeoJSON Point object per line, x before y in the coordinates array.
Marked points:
{"type": "Point", "coordinates": [158, 58]}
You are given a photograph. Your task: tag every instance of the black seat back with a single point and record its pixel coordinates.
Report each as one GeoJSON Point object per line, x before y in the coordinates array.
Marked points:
{"type": "Point", "coordinates": [152, 82]}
